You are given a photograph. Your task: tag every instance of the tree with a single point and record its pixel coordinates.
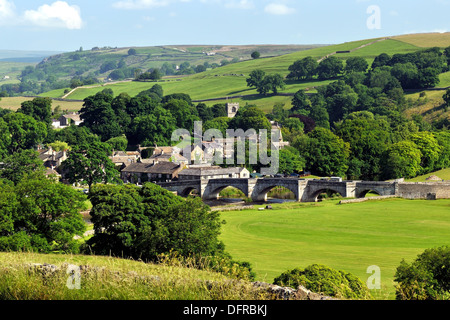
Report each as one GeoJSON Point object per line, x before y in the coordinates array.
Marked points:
{"type": "Point", "coordinates": [204, 112]}
{"type": "Point", "coordinates": [185, 114]}
{"type": "Point", "coordinates": [301, 103]}
{"type": "Point", "coordinates": [250, 118]}
{"type": "Point", "coordinates": [155, 74]}
{"type": "Point", "coordinates": [5, 139]}
{"type": "Point", "coordinates": [381, 60]}
{"type": "Point", "coordinates": [59, 146]}
{"type": "Point", "coordinates": [219, 110]}
{"type": "Point", "coordinates": [368, 139]}
{"type": "Point", "coordinates": [255, 55]}
{"type": "Point", "coordinates": [219, 123]}
{"type": "Point", "coordinates": [330, 67]}
{"type": "Point", "coordinates": [272, 82]}
{"type": "Point", "coordinates": [356, 64]}
{"type": "Point", "coordinates": [256, 78]}
{"type": "Point", "coordinates": [401, 160]}
{"type": "Point", "coordinates": [89, 163]}
{"type": "Point", "coordinates": [21, 164]}
{"type": "Point", "coordinates": [305, 68]}
{"type": "Point", "coordinates": [98, 115]}
{"type": "Point", "coordinates": [25, 132]}
{"type": "Point", "coordinates": [145, 222]}
{"type": "Point", "coordinates": [426, 278]}
{"type": "Point", "coordinates": [118, 143]}
{"type": "Point", "coordinates": [325, 280]}
{"type": "Point", "coordinates": [132, 52]}
{"type": "Point", "coordinates": [38, 108]}
{"type": "Point", "coordinates": [290, 161]}
{"type": "Point", "coordinates": [43, 216]}
{"type": "Point", "coordinates": [325, 153]}
{"type": "Point", "coordinates": [429, 147]}
{"type": "Point", "coordinates": [446, 98]}
{"type": "Point", "coordinates": [154, 128]}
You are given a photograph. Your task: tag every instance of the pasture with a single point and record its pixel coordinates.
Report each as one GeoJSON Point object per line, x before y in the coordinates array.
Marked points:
{"type": "Point", "coordinates": [348, 237]}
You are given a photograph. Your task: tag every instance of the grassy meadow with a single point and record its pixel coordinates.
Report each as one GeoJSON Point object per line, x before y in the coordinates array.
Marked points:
{"type": "Point", "coordinates": [348, 237]}
{"type": "Point", "coordinates": [107, 278]}
{"type": "Point", "coordinates": [13, 103]}
{"type": "Point", "coordinates": [443, 174]}
{"type": "Point", "coordinates": [230, 80]}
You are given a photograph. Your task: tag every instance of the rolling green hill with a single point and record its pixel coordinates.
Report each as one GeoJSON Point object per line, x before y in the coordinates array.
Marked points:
{"type": "Point", "coordinates": [230, 80]}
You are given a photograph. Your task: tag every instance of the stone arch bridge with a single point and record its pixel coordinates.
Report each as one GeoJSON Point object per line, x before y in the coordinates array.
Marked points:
{"type": "Point", "coordinates": [308, 190]}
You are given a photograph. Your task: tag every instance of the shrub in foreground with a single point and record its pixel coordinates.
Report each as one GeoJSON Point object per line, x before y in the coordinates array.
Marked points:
{"type": "Point", "coordinates": [325, 280]}
{"type": "Point", "coordinates": [426, 278]}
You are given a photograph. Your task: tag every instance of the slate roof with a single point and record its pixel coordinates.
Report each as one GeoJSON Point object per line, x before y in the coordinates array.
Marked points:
{"type": "Point", "coordinates": [161, 167]}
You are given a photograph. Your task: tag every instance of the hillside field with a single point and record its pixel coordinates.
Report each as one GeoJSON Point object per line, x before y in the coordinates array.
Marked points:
{"type": "Point", "coordinates": [230, 80]}
{"type": "Point", "coordinates": [348, 237]}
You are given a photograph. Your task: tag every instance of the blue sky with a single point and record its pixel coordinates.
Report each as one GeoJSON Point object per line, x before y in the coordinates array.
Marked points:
{"type": "Point", "coordinates": [67, 25]}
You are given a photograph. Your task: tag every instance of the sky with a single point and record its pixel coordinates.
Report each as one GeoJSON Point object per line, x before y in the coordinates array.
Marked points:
{"type": "Point", "coordinates": [48, 25]}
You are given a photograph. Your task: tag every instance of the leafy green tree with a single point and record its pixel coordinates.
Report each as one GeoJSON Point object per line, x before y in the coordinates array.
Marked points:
{"type": "Point", "coordinates": [426, 278]}
{"type": "Point", "coordinates": [255, 55]}
{"type": "Point", "coordinates": [118, 143]}
{"type": "Point", "coordinates": [132, 52]}
{"type": "Point", "coordinates": [381, 60]}
{"type": "Point", "coordinates": [145, 222]}
{"type": "Point", "coordinates": [290, 161]}
{"type": "Point", "coordinates": [325, 153]}
{"type": "Point", "coordinates": [204, 112]}
{"type": "Point", "coordinates": [446, 98]}
{"type": "Point", "coordinates": [407, 74]}
{"type": "Point", "coordinates": [154, 128]}
{"type": "Point", "coordinates": [20, 164]}
{"type": "Point", "coordinates": [38, 108]}
{"type": "Point", "coordinates": [43, 215]}
{"type": "Point", "coordinates": [401, 160]}
{"type": "Point", "coordinates": [330, 67]}
{"type": "Point", "coordinates": [185, 114]}
{"type": "Point", "coordinates": [325, 280]}
{"type": "Point", "coordinates": [305, 68]}
{"type": "Point", "coordinates": [155, 74]}
{"type": "Point", "coordinates": [25, 132]}
{"type": "Point", "coordinates": [356, 64]}
{"type": "Point", "coordinates": [428, 77]}
{"type": "Point", "coordinates": [220, 123]}
{"type": "Point", "coordinates": [89, 163]}
{"type": "Point", "coordinates": [250, 118]}
{"type": "Point", "coordinates": [60, 146]}
{"type": "Point", "coordinates": [256, 78]}
{"type": "Point", "coordinates": [219, 110]}
{"type": "Point", "coordinates": [5, 139]}
{"type": "Point", "coordinates": [301, 103]}
{"type": "Point", "coordinates": [75, 135]}
{"type": "Point", "coordinates": [430, 149]}
{"type": "Point", "coordinates": [273, 83]}
{"type": "Point", "coordinates": [98, 115]}
{"type": "Point", "coordinates": [368, 139]}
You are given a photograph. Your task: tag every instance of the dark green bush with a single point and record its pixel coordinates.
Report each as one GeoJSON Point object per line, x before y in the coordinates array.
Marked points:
{"type": "Point", "coordinates": [426, 278]}
{"type": "Point", "coordinates": [325, 280]}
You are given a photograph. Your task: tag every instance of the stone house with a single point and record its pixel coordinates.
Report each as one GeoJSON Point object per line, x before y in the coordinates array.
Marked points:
{"type": "Point", "coordinates": [148, 172]}
{"type": "Point", "coordinates": [213, 172]}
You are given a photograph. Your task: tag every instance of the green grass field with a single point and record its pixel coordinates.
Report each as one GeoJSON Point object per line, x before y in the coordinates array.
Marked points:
{"type": "Point", "coordinates": [443, 174]}
{"type": "Point", "coordinates": [348, 237]}
{"type": "Point", "coordinates": [13, 103]}
{"type": "Point", "coordinates": [228, 80]}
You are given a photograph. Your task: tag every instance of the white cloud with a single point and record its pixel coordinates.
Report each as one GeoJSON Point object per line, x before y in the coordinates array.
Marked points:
{"type": "Point", "coordinates": [6, 10]}
{"type": "Point", "coordinates": [59, 14]}
{"type": "Point", "coordinates": [141, 4]}
{"type": "Point", "coordinates": [278, 9]}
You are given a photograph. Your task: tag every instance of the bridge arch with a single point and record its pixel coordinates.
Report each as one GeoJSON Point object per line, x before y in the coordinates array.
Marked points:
{"type": "Point", "coordinates": [214, 191]}
{"type": "Point", "coordinates": [261, 190]}
{"type": "Point", "coordinates": [315, 195]}
{"type": "Point", "coordinates": [187, 191]}
{"type": "Point", "coordinates": [364, 192]}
